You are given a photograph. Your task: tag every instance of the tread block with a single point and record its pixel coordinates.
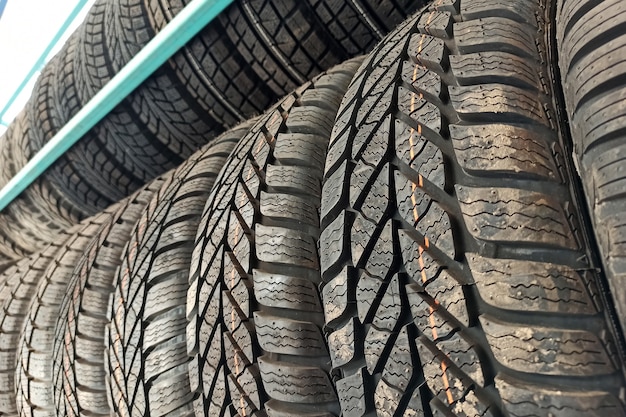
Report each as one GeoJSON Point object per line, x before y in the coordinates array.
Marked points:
{"type": "Point", "coordinates": [532, 286]}
{"type": "Point", "coordinates": [336, 295]}
{"type": "Point", "coordinates": [351, 395]}
{"type": "Point", "coordinates": [501, 67]}
{"type": "Point", "coordinates": [282, 245]}
{"type": "Point", "coordinates": [536, 400]}
{"type": "Point", "coordinates": [304, 384]}
{"type": "Point", "coordinates": [497, 101]}
{"type": "Point", "coordinates": [436, 23]}
{"type": "Point", "coordinates": [495, 34]}
{"type": "Point", "coordinates": [507, 214]}
{"type": "Point", "coordinates": [341, 344]}
{"type": "Point", "coordinates": [497, 149]}
{"type": "Point", "coordinates": [283, 291]}
{"type": "Point", "coordinates": [545, 350]}
{"type": "Point", "coordinates": [429, 52]}
{"type": "Point", "coordinates": [294, 336]}
{"type": "Point", "coordinates": [522, 12]}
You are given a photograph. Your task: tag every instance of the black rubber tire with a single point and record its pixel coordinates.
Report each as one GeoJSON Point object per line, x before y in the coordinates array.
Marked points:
{"type": "Point", "coordinates": [47, 193]}
{"type": "Point", "coordinates": [108, 177]}
{"type": "Point", "coordinates": [122, 133]}
{"type": "Point", "coordinates": [64, 95]}
{"type": "Point", "coordinates": [166, 107]}
{"type": "Point", "coordinates": [57, 182]}
{"type": "Point", "coordinates": [37, 215]}
{"type": "Point", "coordinates": [34, 374]}
{"type": "Point", "coordinates": [40, 107]}
{"type": "Point", "coordinates": [9, 249]}
{"type": "Point", "coordinates": [67, 175]}
{"type": "Point", "coordinates": [146, 349]}
{"type": "Point", "coordinates": [89, 158]}
{"type": "Point", "coordinates": [254, 311]}
{"type": "Point", "coordinates": [70, 175]}
{"type": "Point", "coordinates": [458, 272]}
{"type": "Point", "coordinates": [40, 293]}
{"type": "Point", "coordinates": [591, 37]}
{"type": "Point", "coordinates": [79, 343]}
{"type": "Point", "coordinates": [16, 291]}
{"type": "Point", "coordinates": [256, 51]}
{"type": "Point", "coordinates": [92, 171]}
{"type": "Point", "coordinates": [359, 24]}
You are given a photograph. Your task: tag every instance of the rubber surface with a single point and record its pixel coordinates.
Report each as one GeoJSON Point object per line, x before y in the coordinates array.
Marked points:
{"type": "Point", "coordinates": [122, 132]}
{"type": "Point", "coordinates": [78, 371]}
{"type": "Point", "coordinates": [166, 107]}
{"type": "Point", "coordinates": [592, 42]}
{"type": "Point", "coordinates": [67, 175]}
{"type": "Point", "coordinates": [247, 59]}
{"type": "Point", "coordinates": [257, 51]}
{"type": "Point", "coordinates": [147, 356]}
{"type": "Point", "coordinates": [457, 267]}
{"type": "Point", "coordinates": [36, 217]}
{"type": "Point", "coordinates": [16, 291]}
{"type": "Point", "coordinates": [91, 161]}
{"type": "Point", "coordinates": [9, 250]}
{"type": "Point", "coordinates": [34, 374]}
{"type": "Point", "coordinates": [17, 295]}
{"type": "Point", "coordinates": [254, 312]}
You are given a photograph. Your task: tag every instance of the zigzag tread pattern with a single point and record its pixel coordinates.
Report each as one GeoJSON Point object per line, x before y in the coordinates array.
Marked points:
{"type": "Point", "coordinates": [78, 360]}
{"type": "Point", "coordinates": [404, 307]}
{"type": "Point", "coordinates": [264, 358]}
{"type": "Point", "coordinates": [591, 42]}
{"type": "Point", "coordinates": [150, 289]}
{"type": "Point", "coordinates": [34, 380]}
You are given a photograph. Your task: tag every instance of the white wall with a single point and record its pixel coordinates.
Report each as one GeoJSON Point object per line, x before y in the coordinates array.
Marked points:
{"type": "Point", "coordinates": [26, 28]}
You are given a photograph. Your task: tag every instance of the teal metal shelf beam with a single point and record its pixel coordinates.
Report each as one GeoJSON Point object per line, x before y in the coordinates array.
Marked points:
{"type": "Point", "coordinates": [196, 15]}
{"type": "Point", "coordinates": [44, 55]}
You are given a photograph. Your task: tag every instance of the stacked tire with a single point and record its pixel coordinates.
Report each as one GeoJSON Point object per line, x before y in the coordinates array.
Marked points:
{"type": "Point", "coordinates": [241, 63]}
{"type": "Point", "coordinates": [405, 234]}
{"type": "Point", "coordinates": [591, 45]}
{"type": "Point", "coordinates": [459, 275]}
